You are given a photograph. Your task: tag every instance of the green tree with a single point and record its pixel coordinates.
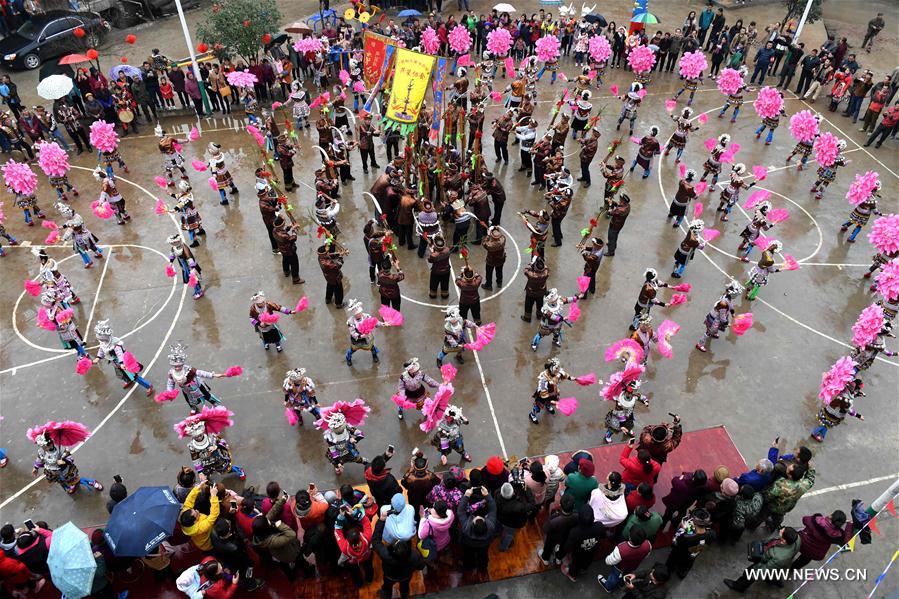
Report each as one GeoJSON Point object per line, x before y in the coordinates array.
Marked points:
{"type": "Point", "coordinates": [240, 25]}
{"type": "Point", "coordinates": [795, 8]}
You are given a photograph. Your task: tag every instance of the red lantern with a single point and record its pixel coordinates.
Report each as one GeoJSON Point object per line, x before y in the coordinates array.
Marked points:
{"type": "Point", "coordinates": [92, 54]}
{"type": "Point", "coordinates": [246, 23]}
{"type": "Point", "coordinates": [130, 38]}
{"type": "Point", "coordinates": [79, 32]}
{"type": "Point", "coordinates": [266, 38]}
{"type": "Point", "coordinates": [201, 47]}
{"type": "Point", "coordinates": [124, 59]}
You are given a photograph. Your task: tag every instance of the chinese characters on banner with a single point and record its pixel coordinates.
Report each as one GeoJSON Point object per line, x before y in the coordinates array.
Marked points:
{"type": "Point", "coordinates": [411, 73]}
{"type": "Point", "coordinates": [375, 57]}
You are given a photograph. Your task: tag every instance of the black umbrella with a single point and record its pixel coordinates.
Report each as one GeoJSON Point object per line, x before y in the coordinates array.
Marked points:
{"type": "Point", "coordinates": [277, 40]}
{"type": "Point", "coordinates": [51, 68]}
{"type": "Point", "coordinates": [595, 17]}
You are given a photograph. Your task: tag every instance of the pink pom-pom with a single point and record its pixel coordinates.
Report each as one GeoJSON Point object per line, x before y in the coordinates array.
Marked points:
{"type": "Point", "coordinates": [710, 143]}
{"type": "Point", "coordinates": [246, 79]}
{"type": "Point", "coordinates": [178, 147]}
{"type": "Point", "coordinates": [635, 140]}
{"type": "Point", "coordinates": [367, 325]}
{"type": "Point", "coordinates": [562, 76]}
{"type": "Point", "coordinates": [103, 136]}
{"type": "Point", "coordinates": [769, 102]}
{"type": "Point", "coordinates": [697, 210]}
{"type": "Point", "coordinates": [161, 182]}
{"type": "Point", "coordinates": [83, 365]}
{"type": "Point", "coordinates": [160, 207]}
{"type": "Point", "coordinates": [729, 81]}
{"type": "Point", "coordinates": [213, 184]}
{"type": "Point", "coordinates": [359, 87]}
{"type": "Point", "coordinates": [763, 242]}
{"type": "Point", "coordinates": [130, 362]}
{"type": "Point", "coordinates": [33, 288]}
{"type": "Point", "coordinates": [701, 187]}
{"type": "Point", "coordinates": [448, 373]}
{"type": "Point", "coordinates": [269, 317]}
{"type": "Point", "coordinates": [192, 280]}
{"type": "Point", "coordinates": [430, 42]}
{"type": "Point", "coordinates": [863, 187]}
{"type": "Point", "coordinates": [760, 172]}
{"type": "Point", "coordinates": [804, 125]}
{"type": "Point", "coordinates": [344, 76]}
{"type": "Point", "coordinates": [710, 234]}
{"type": "Point", "coordinates": [666, 331]}
{"type": "Point", "coordinates": [703, 118]}
{"type": "Point", "coordinates": [741, 324]}
{"type": "Point", "coordinates": [52, 238]}
{"type": "Point", "coordinates": [64, 316]}
{"type": "Point", "coordinates": [683, 287]}
{"type": "Point", "coordinates": [198, 165]}
{"type": "Point", "coordinates": [510, 68]}
{"type": "Point", "coordinates": [101, 209]}
{"type": "Point", "coordinates": [756, 198]}
{"type": "Point", "coordinates": [401, 401]}
{"type": "Point", "coordinates": [677, 299]}
{"type": "Point", "coordinates": [43, 321]}
{"type": "Point", "coordinates": [547, 48]}
{"type": "Point", "coordinates": [583, 283]}
{"type": "Point", "coordinates": [888, 280]}
{"type": "Point", "coordinates": [692, 64]}
{"type": "Point", "coordinates": [868, 326]}
{"type": "Point", "coordinates": [49, 224]}
{"type": "Point", "coordinates": [194, 134]}
{"type": "Point", "coordinates": [567, 405]}
{"type": "Point", "coordinates": [682, 170]}
{"type": "Point", "coordinates": [391, 316]}
{"type": "Point", "coordinates": [641, 93]}
{"type": "Point", "coordinates": [591, 74]}
{"type": "Point", "coordinates": [483, 338]}
{"type": "Point", "coordinates": [626, 350]}
{"type": "Point", "coordinates": [585, 380]}
{"type": "Point", "coordinates": [836, 378]}
{"type": "Point", "coordinates": [641, 59]}
{"type": "Point", "coordinates": [599, 48]}
{"type": "Point", "coordinates": [291, 415]}
{"type": "Point", "coordinates": [884, 234]}
{"type": "Point", "coordinates": [574, 312]}
{"type": "Point", "coordinates": [302, 304]}
{"type": "Point", "coordinates": [613, 89]}
{"type": "Point", "coordinates": [778, 215]}
{"type": "Point", "coordinates": [164, 396]}
{"type": "Point", "coordinates": [19, 177]}
{"type": "Point", "coordinates": [496, 97]}
{"type": "Point", "coordinates": [169, 270]}
{"type": "Point", "coordinates": [790, 263]}
{"type": "Point", "coordinates": [52, 159]}
{"type": "Point", "coordinates": [728, 156]}
{"type": "Point", "coordinates": [826, 149]}
{"type": "Point", "coordinates": [459, 39]}
{"type": "Point", "coordinates": [308, 44]}
{"type": "Point", "coordinates": [499, 41]}
{"type": "Point", "coordinates": [233, 371]}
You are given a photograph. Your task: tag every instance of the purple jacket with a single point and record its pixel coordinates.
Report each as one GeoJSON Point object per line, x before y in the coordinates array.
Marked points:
{"type": "Point", "coordinates": [683, 492]}
{"type": "Point", "coordinates": [819, 534]}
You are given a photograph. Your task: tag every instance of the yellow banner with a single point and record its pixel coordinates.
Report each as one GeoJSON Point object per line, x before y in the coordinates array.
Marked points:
{"type": "Point", "coordinates": [411, 74]}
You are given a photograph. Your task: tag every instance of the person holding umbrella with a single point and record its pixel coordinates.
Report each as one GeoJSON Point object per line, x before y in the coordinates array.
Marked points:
{"type": "Point", "coordinates": [142, 521]}
{"type": "Point", "coordinates": [76, 570]}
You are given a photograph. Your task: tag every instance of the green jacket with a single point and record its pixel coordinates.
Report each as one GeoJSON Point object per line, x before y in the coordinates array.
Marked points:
{"type": "Point", "coordinates": [579, 486]}
{"type": "Point", "coordinates": [782, 496]}
{"type": "Point", "coordinates": [650, 527]}
{"type": "Point", "coordinates": [779, 556]}
{"type": "Point", "coordinates": [746, 509]}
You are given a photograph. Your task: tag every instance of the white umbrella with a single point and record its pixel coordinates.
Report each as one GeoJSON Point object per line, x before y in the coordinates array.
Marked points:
{"type": "Point", "coordinates": [501, 8]}
{"type": "Point", "coordinates": [55, 87]}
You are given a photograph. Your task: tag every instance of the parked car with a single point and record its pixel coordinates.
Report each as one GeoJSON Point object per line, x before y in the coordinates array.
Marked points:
{"type": "Point", "coordinates": [50, 35]}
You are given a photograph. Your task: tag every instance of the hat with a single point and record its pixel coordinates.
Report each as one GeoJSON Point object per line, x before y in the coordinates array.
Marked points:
{"type": "Point", "coordinates": [729, 487]}
{"type": "Point", "coordinates": [495, 465]}
{"type": "Point", "coordinates": [586, 468]}
{"type": "Point", "coordinates": [721, 473]}
{"type": "Point", "coordinates": [507, 491]}
{"type": "Point", "coordinates": [701, 517]}
{"type": "Point", "coordinates": [551, 462]}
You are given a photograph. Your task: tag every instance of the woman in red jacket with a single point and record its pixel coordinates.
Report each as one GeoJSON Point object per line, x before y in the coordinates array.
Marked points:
{"type": "Point", "coordinates": [639, 469]}
{"type": "Point", "coordinates": [16, 578]}
{"type": "Point", "coordinates": [819, 534]}
{"type": "Point", "coordinates": [215, 582]}
{"type": "Point", "coordinates": [355, 545]}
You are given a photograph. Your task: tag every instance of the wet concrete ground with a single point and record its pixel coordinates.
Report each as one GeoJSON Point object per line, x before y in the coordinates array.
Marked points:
{"type": "Point", "coordinates": [760, 386]}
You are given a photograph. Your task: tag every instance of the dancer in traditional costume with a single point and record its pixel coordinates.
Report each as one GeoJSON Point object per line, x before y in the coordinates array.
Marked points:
{"type": "Point", "coordinates": [720, 316]}
{"type": "Point", "coordinates": [861, 214]}
{"type": "Point", "coordinates": [172, 158]}
{"type": "Point", "coordinates": [735, 99]}
{"type": "Point", "coordinates": [209, 451]}
{"type": "Point", "coordinates": [109, 194]}
{"type": "Point", "coordinates": [28, 203]}
{"type": "Point", "coordinates": [691, 84]}
{"type": "Point", "coordinates": [834, 413]}
{"type": "Point", "coordinates": [448, 434]}
{"type": "Point", "coordinates": [413, 386]}
{"type": "Point", "coordinates": [190, 380]}
{"type": "Point", "coordinates": [263, 317]}
{"type": "Point", "coordinates": [620, 419]}
{"type": "Point", "coordinates": [191, 220]}
{"type": "Point", "coordinates": [685, 193]}
{"type": "Point", "coordinates": [758, 275]}
{"type": "Point", "coordinates": [126, 367]}
{"type": "Point", "coordinates": [687, 248]}
{"type": "Point", "coordinates": [299, 394]}
{"type": "Point", "coordinates": [454, 336]}
{"type": "Point", "coordinates": [187, 264]}
{"type": "Point", "coordinates": [645, 335]}
{"type": "Point", "coordinates": [864, 356]}
{"type": "Point", "coordinates": [730, 195]}
{"type": "Point", "coordinates": [62, 321]}
{"type": "Point", "coordinates": [683, 127]}
{"type": "Point", "coordinates": [647, 297]}
{"type": "Point", "coordinates": [771, 123]}
{"type": "Point", "coordinates": [83, 241]}
{"type": "Point", "coordinates": [580, 112]}
{"type": "Point", "coordinates": [827, 174]}
{"type": "Point", "coordinates": [223, 178]}
{"type": "Point", "coordinates": [551, 318]}
{"type": "Point", "coordinates": [51, 277]}
{"type": "Point", "coordinates": [630, 102]}
{"type": "Point", "coordinates": [360, 340]}
{"type": "Point", "coordinates": [712, 165]}
{"type": "Point", "coordinates": [107, 159]}
{"type": "Point", "coordinates": [547, 393]}
{"type": "Point", "coordinates": [342, 437]}
{"type": "Point", "coordinates": [56, 461]}
{"type": "Point", "coordinates": [649, 148]}
{"type": "Point", "coordinates": [758, 225]}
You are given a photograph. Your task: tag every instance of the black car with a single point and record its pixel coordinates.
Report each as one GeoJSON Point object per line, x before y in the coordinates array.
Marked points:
{"type": "Point", "coordinates": [49, 35]}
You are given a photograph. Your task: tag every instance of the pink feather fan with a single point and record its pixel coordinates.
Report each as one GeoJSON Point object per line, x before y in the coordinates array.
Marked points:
{"type": "Point", "coordinates": [863, 187]}
{"type": "Point", "coordinates": [510, 68]}
{"type": "Point", "coordinates": [198, 165]}
{"type": "Point", "coordinates": [496, 97]}
{"type": "Point", "coordinates": [826, 149]}
{"type": "Point", "coordinates": [52, 159]}
{"type": "Point", "coordinates": [835, 380]}
{"type": "Point", "coordinates": [233, 371]}
{"type": "Point", "coordinates": [354, 411]}
{"type": "Point", "coordinates": [599, 48]}
{"type": "Point", "coordinates": [192, 279]}
{"type": "Point", "coordinates": [697, 210]}
{"type": "Point", "coordinates": [101, 209]}
{"type": "Point", "coordinates": [391, 316]}
{"type": "Point", "coordinates": [359, 87]}
{"type": "Point", "coordinates": [756, 198]}
{"type": "Point", "coordinates": [682, 170]}
{"type": "Point", "coordinates": [710, 143]}
{"type": "Point", "coordinates": [130, 362]}
{"type": "Point", "coordinates": [269, 317]}
{"type": "Point", "coordinates": [169, 270]}
{"type": "Point", "coordinates": [884, 234]}
{"type": "Point", "coordinates": [103, 136]}
{"type": "Point", "coordinates": [868, 325]}
{"type": "Point", "coordinates": [667, 330]}
{"type": "Point", "coordinates": [435, 407]}
{"type": "Point", "coordinates": [769, 102]}
{"type": "Point", "coordinates": [670, 105]}
{"type": "Point", "coordinates": [741, 324]}
{"type": "Point", "coordinates": [43, 321]}
{"type": "Point", "coordinates": [888, 280]}
{"type": "Point", "coordinates": [291, 415]}
{"type": "Point", "coordinates": [804, 126]}
{"type": "Point", "coordinates": [684, 287]}
{"type": "Point", "coordinates": [64, 316]}
{"type": "Point", "coordinates": [585, 380]}
{"type": "Point", "coordinates": [626, 350]}
{"type": "Point", "coordinates": [83, 365]}
{"type": "Point", "coordinates": [448, 373]}
{"type": "Point", "coordinates": [677, 299]}
{"type": "Point", "coordinates": [33, 288]}
{"type": "Point", "coordinates": [728, 156]}
{"type": "Point", "coordinates": [641, 59]}
{"type": "Point", "coordinates": [703, 118]}
{"type": "Point", "coordinates": [344, 76]}
{"type": "Point", "coordinates": [19, 177]}
{"type": "Point", "coordinates": [214, 421]}
{"type": "Point", "coordinates": [161, 182]}
{"type": "Point", "coordinates": [790, 263]}
{"type": "Point", "coordinates": [64, 434]}
{"type": "Point", "coordinates": [367, 325]}
{"type": "Point", "coordinates": [583, 283]}
{"type": "Point", "coordinates": [52, 238]}
{"type": "Point", "coordinates": [567, 405]}
{"type": "Point", "coordinates": [164, 396]}
{"type": "Point", "coordinates": [464, 60]}
{"type": "Point", "coordinates": [302, 304]}
{"type": "Point", "coordinates": [613, 89]}
{"type": "Point", "coordinates": [729, 81]}
{"type": "Point", "coordinates": [194, 134]}
{"type": "Point", "coordinates": [763, 242]}
{"type": "Point", "coordinates": [778, 215]}
{"type": "Point", "coordinates": [246, 79]}
{"type": "Point", "coordinates": [212, 183]}
{"type": "Point", "coordinates": [306, 44]}
{"type": "Point", "coordinates": [160, 207]}
{"type": "Point", "coordinates": [760, 172]}
{"type": "Point", "coordinates": [483, 338]}
{"type": "Point", "coordinates": [692, 64]}
{"type": "Point", "coordinates": [701, 187]}
{"type": "Point", "coordinates": [615, 386]}
{"type": "Point", "coordinates": [574, 312]}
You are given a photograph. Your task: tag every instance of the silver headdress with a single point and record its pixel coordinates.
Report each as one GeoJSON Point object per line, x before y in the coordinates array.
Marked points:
{"type": "Point", "coordinates": [178, 354]}
{"type": "Point", "coordinates": [103, 330]}
{"type": "Point", "coordinates": [353, 307]}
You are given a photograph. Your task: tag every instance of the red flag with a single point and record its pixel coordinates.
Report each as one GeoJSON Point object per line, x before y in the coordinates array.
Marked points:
{"type": "Point", "coordinates": [873, 526]}
{"type": "Point", "coordinates": [892, 506]}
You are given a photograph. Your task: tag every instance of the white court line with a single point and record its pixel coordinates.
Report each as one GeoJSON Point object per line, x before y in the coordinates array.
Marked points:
{"type": "Point", "coordinates": [774, 169]}
{"type": "Point", "coordinates": [843, 487]}
{"type": "Point", "coordinates": [90, 317]}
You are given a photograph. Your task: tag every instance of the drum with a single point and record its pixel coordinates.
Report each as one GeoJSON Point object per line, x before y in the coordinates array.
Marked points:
{"type": "Point", "coordinates": [126, 116]}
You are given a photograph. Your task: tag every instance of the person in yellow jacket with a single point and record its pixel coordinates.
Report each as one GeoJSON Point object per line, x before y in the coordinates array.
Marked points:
{"type": "Point", "coordinates": [196, 525]}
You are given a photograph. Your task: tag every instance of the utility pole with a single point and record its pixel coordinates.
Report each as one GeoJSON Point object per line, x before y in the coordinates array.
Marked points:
{"type": "Point", "coordinates": [193, 57]}
{"type": "Point", "coordinates": [808, 7]}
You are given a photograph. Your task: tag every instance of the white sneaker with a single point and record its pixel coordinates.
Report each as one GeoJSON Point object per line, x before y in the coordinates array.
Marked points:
{"type": "Point", "coordinates": [540, 555]}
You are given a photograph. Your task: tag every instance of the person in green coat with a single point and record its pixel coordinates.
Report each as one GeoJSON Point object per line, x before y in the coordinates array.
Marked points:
{"type": "Point", "coordinates": [643, 518]}
{"type": "Point", "coordinates": [778, 555]}
{"type": "Point", "coordinates": [781, 497]}
{"type": "Point", "coordinates": [580, 484]}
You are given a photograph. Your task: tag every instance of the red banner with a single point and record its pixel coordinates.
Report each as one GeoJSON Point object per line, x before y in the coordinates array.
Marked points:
{"type": "Point", "coordinates": [375, 56]}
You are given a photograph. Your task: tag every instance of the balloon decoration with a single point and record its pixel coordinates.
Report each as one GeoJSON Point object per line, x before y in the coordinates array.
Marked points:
{"type": "Point", "coordinates": [202, 48]}
{"type": "Point", "coordinates": [266, 38]}
{"type": "Point", "coordinates": [92, 54]}
{"type": "Point", "coordinates": [79, 32]}
{"type": "Point", "coordinates": [130, 38]}
{"type": "Point", "coordinates": [124, 60]}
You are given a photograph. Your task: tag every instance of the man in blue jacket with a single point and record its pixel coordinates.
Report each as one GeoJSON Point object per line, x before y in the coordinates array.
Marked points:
{"type": "Point", "coordinates": [705, 21]}
{"type": "Point", "coordinates": [763, 59]}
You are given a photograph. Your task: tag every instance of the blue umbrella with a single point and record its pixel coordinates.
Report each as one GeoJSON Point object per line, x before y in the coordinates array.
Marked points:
{"type": "Point", "coordinates": [142, 521]}
{"type": "Point", "coordinates": [129, 70]}
{"type": "Point", "coordinates": [409, 12]}
{"type": "Point", "coordinates": [71, 561]}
